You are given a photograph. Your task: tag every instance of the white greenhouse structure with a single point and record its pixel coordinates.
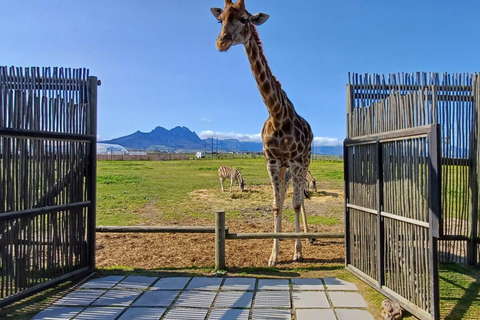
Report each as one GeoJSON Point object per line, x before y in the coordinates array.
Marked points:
{"type": "Point", "coordinates": [111, 149]}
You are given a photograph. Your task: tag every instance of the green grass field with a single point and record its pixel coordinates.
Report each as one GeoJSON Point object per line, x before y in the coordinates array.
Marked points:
{"type": "Point", "coordinates": [125, 187]}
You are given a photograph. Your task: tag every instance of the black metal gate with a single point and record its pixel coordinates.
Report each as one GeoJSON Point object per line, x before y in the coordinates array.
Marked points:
{"type": "Point", "coordinates": [393, 209]}
{"type": "Point", "coordinates": [47, 178]}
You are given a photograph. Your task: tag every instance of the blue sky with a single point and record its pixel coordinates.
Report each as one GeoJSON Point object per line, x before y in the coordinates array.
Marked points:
{"type": "Point", "coordinates": [159, 66]}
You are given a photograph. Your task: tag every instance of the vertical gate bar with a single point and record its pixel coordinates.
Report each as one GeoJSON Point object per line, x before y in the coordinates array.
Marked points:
{"type": "Point", "coordinates": [92, 171]}
{"type": "Point", "coordinates": [380, 220]}
{"type": "Point", "coordinates": [474, 177]}
{"type": "Point", "coordinates": [434, 215]}
{"type": "Point", "coordinates": [435, 187]}
{"type": "Point", "coordinates": [346, 199]}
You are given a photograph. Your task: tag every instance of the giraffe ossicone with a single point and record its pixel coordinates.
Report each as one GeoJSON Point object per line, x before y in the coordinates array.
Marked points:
{"type": "Point", "coordinates": [287, 137]}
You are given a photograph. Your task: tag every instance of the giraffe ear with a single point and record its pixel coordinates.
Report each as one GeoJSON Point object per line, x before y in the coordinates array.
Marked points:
{"type": "Point", "coordinates": [259, 18]}
{"type": "Point", "coordinates": [216, 12]}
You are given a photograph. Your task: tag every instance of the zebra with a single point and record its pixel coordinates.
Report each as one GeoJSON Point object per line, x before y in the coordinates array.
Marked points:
{"type": "Point", "coordinates": [225, 172]}
{"type": "Point", "coordinates": [309, 181]}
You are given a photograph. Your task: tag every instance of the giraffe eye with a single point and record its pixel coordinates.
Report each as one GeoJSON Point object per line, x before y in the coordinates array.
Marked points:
{"type": "Point", "coordinates": [243, 20]}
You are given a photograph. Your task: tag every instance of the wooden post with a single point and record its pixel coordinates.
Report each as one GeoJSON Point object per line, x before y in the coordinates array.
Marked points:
{"type": "Point", "coordinates": [350, 108]}
{"type": "Point", "coordinates": [220, 240]}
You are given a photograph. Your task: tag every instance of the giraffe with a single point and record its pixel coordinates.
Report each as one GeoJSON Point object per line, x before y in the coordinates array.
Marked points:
{"type": "Point", "coordinates": [286, 136]}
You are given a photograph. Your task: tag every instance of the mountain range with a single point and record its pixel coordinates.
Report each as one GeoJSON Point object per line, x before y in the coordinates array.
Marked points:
{"type": "Point", "coordinates": [181, 139]}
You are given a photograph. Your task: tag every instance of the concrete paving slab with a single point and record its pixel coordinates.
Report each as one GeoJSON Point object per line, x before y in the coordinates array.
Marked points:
{"type": "Point", "coordinates": [273, 284]}
{"type": "Point", "coordinates": [316, 314]}
{"type": "Point", "coordinates": [229, 314]}
{"type": "Point", "coordinates": [272, 299]}
{"type": "Point", "coordinates": [310, 284]}
{"type": "Point", "coordinates": [117, 298]}
{"type": "Point", "coordinates": [270, 314]}
{"type": "Point", "coordinates": [242, 284]}
{"type": "Point", "coordinates": [156, 298]}
{"type": "Point", "coordinates": [349, 314]}
{"type": "Point", "coordinates": [150, 298]}
{"type": "Point", "coordinates": [57, 313]}
{"type": "Point", "coordinates": [136, 282]}
{"type": "Point", "coordinates": [102, 283]}
{"type": "Point", "coordinates": [99, 313]}
{"type": "Point", "coordinates": [173, 283]}
{"type": "Point", "coordinates": [338, 284]}
{"type": "Point", "coordinates": [310, 299]}
{"type": "Point", "coordinates": [79, 298]}
{"type": "Point", "coordinates": [186, 314]}
{"type": "Point", "coordinates": [204, 283]}
{"type": "Point", "coordinates": [199, 299]}
{"type": "Point", "coordinates": [143, 313]}
{"type": "Point", "coordinates": [234, 299]}
{"type": "Point", "coordinates": [347, 300]}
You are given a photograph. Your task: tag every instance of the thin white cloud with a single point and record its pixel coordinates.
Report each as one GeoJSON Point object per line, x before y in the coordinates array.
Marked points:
{"type": "Point", "coordinates": [206, 120]}
{"type": "Point", "coordinates": [318, 141]}
{"type": "Point", "coordinates": [230, 135]}
{"type": "Point", "coordinates": [326, 142]}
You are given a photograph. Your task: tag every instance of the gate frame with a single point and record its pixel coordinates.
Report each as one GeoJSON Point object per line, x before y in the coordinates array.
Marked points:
{"type": "Point", "coordinates": [41, 83]}
{"type": "Point", "coordinates": [432, 132]}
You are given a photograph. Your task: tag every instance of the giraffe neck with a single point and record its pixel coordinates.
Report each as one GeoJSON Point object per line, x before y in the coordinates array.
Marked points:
{"type": "Point", "coordinates": [270, 88]}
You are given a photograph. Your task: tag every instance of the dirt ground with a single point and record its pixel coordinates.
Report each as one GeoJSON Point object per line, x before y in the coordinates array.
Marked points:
{"type": "Point", "coordinates": [158, 251]}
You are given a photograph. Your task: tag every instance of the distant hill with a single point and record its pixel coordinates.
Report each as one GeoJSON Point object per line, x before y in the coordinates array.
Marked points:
{"type": "Point", "coordinates": [181, 139]}
{"type": "Point", "coordinates": [178, 139]}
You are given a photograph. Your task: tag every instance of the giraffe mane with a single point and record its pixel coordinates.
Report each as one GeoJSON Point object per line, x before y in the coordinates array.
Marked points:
{"type": "Point", "coordinates": [260, 48]}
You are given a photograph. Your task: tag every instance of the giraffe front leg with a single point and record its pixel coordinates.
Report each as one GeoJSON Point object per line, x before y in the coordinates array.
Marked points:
{"type": "Point", "coordinates": [277, 215]}
{"type": "Point", "coordinates": [298, 207]}
{"type": "Point", "coordinates": [277, 176]}
{"type": "Point", "coordinates": [297, 253]}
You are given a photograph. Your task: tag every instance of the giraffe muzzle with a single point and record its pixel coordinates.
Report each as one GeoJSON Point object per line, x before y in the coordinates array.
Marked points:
{"type": "Point", "coordinates": [224, 43]}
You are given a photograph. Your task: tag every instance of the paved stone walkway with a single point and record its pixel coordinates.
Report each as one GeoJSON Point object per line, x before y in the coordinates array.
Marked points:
{"type": "Point", "coordinates": [192, 298]}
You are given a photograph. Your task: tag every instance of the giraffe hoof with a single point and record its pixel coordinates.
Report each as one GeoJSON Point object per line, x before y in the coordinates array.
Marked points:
{"type": "Point", "coordinates": [297, 257]}
{"type": "Point", "coordinates": [272, 263]}
{"type": "Point", "coordinates": [312, 240]}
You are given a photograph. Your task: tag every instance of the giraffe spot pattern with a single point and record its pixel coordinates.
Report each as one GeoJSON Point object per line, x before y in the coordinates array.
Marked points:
{"type": "Point", "coordinates": [266, 87]}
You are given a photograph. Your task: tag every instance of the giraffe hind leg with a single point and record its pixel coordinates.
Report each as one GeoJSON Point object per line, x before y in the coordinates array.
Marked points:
{"type": "Point", "coordinates": [305, 225]}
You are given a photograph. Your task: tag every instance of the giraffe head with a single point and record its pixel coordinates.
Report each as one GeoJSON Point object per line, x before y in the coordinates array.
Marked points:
{"type": "Point", "coordinates": [235, 20]}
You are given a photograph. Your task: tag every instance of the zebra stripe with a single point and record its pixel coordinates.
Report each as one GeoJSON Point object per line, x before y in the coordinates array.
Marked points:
{"type": "Point", "coordinates": [225, 172]}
